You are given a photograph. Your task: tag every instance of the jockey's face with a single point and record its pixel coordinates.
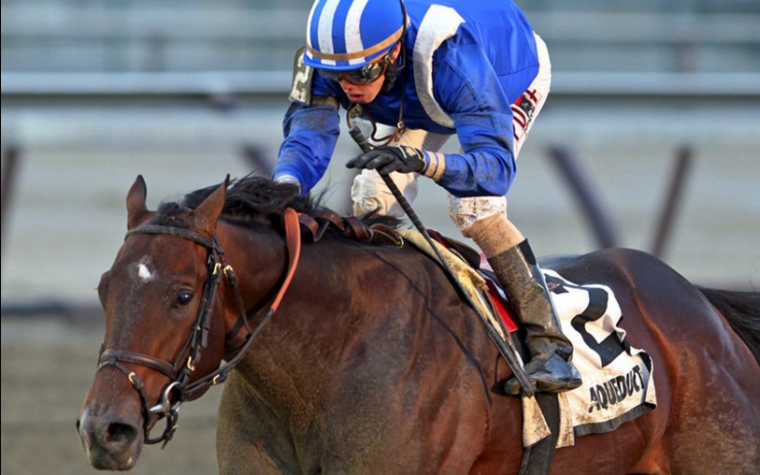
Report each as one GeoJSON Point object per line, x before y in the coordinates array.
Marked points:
{"type": "Point", "coordinates": [364, 93]}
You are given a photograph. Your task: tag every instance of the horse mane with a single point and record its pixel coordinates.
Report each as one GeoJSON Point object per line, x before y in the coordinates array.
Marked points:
{"type": "Point", "coordinates": [256, 199]}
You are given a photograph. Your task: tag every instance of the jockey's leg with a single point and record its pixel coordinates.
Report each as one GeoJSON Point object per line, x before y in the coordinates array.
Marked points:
{"type": "Point", "coordinates": [485, 221]}
{"type": "Point", "coordinates": [369, 192]}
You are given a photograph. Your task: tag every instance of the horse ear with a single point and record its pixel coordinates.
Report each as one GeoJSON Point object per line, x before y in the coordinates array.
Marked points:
{"type": "Point", "coordinates": [136, 209]}
{"type": "Point", "coordinates": [207, 213]}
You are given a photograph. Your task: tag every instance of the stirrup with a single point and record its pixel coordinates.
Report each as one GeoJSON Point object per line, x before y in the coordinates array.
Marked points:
{"type": "Point", "coordinates": [554, 375]}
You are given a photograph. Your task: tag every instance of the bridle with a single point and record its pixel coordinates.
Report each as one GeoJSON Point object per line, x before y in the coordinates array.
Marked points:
{"type": "Point", "coordinates": [181, 370]}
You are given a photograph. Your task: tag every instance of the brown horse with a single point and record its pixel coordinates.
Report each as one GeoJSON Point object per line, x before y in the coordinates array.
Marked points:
{"type": "Point", "coordinates": [372, 365]}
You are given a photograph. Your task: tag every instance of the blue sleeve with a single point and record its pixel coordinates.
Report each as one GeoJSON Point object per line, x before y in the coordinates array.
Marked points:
{"type": "Point", "coordinates": [468, 88]}
{"type": "Point", "coordinates": [311, 133]}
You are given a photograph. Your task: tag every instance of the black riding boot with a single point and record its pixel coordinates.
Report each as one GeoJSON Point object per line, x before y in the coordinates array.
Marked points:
{"type": "Point", "coordinates": [549, 368]}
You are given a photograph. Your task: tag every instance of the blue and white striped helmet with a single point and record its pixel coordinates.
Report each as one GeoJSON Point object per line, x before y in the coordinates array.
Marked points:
{"type": "Point", "coordinates": [347, 34]}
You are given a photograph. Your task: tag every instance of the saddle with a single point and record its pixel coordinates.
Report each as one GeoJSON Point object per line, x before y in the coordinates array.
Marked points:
{"type": "Point", "coordinates": [475, 260]}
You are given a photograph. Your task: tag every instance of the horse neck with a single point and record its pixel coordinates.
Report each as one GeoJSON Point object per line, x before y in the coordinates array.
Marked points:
{"type": "Point", "coordinates": [258, 256]}
{"type": "Point", "coordinates": [341, 301]}
{"type": "Point", "coordinates": [356, 320]}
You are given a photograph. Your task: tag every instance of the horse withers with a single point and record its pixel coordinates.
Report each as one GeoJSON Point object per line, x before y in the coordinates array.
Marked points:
{"type": "Point", "coordinates": [372, 364]}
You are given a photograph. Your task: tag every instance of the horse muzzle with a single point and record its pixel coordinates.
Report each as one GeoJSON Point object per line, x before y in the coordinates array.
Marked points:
{"type": "Point", "coordinates": [112, 441]}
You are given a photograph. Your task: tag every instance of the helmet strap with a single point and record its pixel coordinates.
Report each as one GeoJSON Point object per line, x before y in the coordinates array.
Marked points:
{"type": "Point", "coordinates": [392, 70]}
{"type": "Point", "coordinates": [356, 110]}
{"type": "Point", "coordinates": [393, 67]}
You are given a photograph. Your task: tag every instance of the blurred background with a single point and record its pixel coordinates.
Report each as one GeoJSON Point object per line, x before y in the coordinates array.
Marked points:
{"type": "Point", "coordinates": [650, 140]}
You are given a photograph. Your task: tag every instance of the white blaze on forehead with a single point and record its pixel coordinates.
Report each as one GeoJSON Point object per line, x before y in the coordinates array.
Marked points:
{"type": "Point", "coordinates": [145, 271]}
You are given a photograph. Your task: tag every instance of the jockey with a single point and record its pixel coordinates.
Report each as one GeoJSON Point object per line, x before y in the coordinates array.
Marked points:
{"type": "Point", "coordinates": [421, 71]}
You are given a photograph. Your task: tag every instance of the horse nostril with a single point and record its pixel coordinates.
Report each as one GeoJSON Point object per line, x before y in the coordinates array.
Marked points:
{"type": "Point", "coordinates": [120, 435]}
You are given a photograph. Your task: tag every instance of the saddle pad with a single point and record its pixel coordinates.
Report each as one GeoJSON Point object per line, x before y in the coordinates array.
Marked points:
{"type": "Point", "coordinates": [617, 378]}
{"type": "Point", "coordinates": [472, 282]}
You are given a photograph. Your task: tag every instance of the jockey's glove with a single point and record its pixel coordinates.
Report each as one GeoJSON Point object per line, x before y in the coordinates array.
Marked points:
{"type": "Point", "coordinates": [387, 159]}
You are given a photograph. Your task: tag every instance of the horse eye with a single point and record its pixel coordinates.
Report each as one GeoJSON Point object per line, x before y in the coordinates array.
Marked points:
{"type": "Point", "coordinates": [185, 298]}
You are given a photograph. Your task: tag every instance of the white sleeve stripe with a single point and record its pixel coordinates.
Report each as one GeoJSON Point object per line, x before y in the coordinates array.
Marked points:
{"type": "Point", "coordinates": [439, 24]}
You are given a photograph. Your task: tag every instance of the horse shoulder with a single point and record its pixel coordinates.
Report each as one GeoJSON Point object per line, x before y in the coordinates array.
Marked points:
{"type": "Point", "coordinates": [247, 436]}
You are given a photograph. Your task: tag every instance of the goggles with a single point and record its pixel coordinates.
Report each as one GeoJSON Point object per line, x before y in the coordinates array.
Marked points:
{"type": "Point", "coordinates": [366, 74]}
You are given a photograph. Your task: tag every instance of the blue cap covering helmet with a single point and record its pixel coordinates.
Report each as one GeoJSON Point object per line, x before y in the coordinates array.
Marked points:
{"type": "Point", "coordinates": [348, 34]}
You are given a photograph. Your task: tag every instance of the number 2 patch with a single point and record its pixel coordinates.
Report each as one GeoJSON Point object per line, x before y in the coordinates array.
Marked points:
{"type": "Point", "coordinates": [303, 75]}
{"type": "Point", "coordinates": [610, 347]}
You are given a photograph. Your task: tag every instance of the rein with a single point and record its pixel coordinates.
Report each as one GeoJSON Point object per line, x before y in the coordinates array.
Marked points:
{"type": "Point", "coordinates": [180, 371]}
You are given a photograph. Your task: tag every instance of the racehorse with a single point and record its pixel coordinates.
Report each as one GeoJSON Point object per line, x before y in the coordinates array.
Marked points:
{"type": "Point", "coordinates": [372, 365]}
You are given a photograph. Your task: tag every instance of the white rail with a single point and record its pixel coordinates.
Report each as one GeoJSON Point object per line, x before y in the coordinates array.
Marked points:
{"type": "Point", "coordinates": [278, 82]}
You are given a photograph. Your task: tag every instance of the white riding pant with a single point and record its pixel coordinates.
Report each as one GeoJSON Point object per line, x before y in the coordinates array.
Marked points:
{"type": "Point", "coordinates": [370, 193]}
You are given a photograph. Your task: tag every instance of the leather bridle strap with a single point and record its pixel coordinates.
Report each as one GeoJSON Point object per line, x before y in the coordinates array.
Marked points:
{"type": "Point", "coordinates": [110, 356]}
{"type": "Point", "coordinates": [293, 243]}
{"type": "Point", "coordinates": [179, 372]}
{"type": "Point", "coordinates": [173, 231]}
{"type": "Point", "coordinates": [114, 359]}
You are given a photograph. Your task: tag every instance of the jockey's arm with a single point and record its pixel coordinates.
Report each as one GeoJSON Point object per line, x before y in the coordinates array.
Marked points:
{"type": "Point", "coordinates": [468, 88]}
{"type": "Point", "coordinates": [311, 132]}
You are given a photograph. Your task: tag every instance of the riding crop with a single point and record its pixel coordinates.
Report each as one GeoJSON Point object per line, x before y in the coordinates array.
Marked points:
{"type": "Point", "coordinates": [505, 345]}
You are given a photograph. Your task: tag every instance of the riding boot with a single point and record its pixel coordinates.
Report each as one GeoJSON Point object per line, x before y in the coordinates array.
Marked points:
{"type": "Point", "coordinates": [550, 367]}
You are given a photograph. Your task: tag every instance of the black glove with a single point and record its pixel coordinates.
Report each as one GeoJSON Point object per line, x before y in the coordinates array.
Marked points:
{"type": "Point", "coordinates": [387, 159]}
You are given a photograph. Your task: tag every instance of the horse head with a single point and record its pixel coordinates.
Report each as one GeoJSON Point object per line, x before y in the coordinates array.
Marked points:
{"type": "Point", "coordinates": [159, 338]}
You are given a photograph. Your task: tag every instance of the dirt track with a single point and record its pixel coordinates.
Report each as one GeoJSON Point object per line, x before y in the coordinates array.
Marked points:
{"type": "Point", "coordinates": [44, 382]}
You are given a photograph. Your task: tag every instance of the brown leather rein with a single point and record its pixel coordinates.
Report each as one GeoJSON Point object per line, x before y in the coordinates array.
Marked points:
{"type": "Point", "coordinates": [180, 371]}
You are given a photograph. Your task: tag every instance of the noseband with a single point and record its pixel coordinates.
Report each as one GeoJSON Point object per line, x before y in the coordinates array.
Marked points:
{"type": "Point", "coordinates": [180, 371]}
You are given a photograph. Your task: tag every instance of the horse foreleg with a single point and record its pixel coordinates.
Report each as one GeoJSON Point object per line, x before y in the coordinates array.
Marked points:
{"type": "Point", "coordinates": [240, 447]}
